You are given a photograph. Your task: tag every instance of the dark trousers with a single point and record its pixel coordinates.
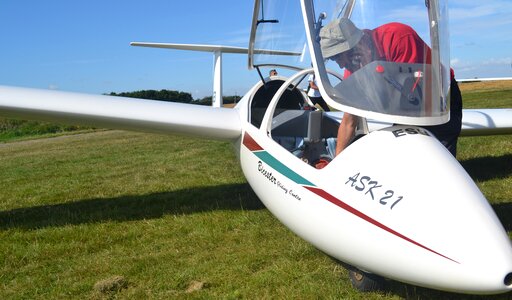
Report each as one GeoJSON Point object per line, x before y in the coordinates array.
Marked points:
{"type": "Point", "coordinates": [449, 132]}
{"type": "Point", "coordinates": [320, 101]}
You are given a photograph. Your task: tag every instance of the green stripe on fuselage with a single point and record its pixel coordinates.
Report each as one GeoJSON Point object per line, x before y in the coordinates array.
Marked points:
{"type": "Point", "coordinates": [281, 168]}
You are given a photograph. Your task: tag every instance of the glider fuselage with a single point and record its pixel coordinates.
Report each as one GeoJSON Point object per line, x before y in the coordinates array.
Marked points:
{"type": "Point", "coordinates": [395, 202]}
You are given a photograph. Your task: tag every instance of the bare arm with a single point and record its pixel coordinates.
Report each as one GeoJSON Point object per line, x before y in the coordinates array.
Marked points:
{"type": "Point", "coordinates": [313, 85]}
{"type": "Point", "coordinates": [346, 131]}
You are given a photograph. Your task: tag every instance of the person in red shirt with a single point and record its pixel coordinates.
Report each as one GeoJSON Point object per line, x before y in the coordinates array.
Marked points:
{"type": "Point", "coordinates": [352, 48]}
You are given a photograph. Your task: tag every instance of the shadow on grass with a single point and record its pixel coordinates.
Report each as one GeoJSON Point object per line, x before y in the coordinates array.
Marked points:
{"type": "Point", "coordinates": [488, 167]}
{"type": "Point", "coordinates": [138, 207]}
{"type": "Point", "coordinates": [504, 213]}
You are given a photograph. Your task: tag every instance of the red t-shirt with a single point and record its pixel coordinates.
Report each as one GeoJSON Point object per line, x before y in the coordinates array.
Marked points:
{"type": "Point", "coordinates": [397, 42]}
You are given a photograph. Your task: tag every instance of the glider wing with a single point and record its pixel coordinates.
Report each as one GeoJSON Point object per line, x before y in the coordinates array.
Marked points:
{"type": "Point", "coordinates": [475, 122]}
{"type": "Point", "coordinates": [120, 113]}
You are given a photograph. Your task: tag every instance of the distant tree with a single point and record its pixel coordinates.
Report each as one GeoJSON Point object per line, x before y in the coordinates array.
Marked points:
{"type": "Point", "coordinates": [205, 101]}
{"type": "Point", "coordinates": [162, 95]}
{"type": "Point", "coordinates": [231, 99]}
{"type": "Point", "coordinates": [174, 96]}
{"type": "Point", "coordinates": [225, 100]}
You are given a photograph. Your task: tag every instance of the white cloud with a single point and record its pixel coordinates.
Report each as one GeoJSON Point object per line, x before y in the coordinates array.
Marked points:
{"type": "Point", "coordinates": [481, 37]}
{"type": "Point", "coordinates": [477, 17]}
{"type": "Point", "coordinates": [497, 61]}
{"type": "Point", "coordinates": [492, 67]}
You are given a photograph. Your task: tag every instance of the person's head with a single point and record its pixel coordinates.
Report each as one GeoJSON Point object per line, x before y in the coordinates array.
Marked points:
{"type": "Point", "coordinates": [272, 72]}
{"type": "Point", "coordinates": [347, 45]}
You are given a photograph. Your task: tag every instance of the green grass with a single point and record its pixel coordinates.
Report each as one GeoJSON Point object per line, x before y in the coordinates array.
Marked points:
{"type": "Point", "coordinates": [161, 211]}
{"type": "Point", "coordinates": [11, 129]}
{"type": "Point", "coordinates": [488, 99]}
{"type": "Point", "coordinates": [168, 213]}
{"type": "Point", "coordinates": [493, 94]}
{"type": "Point", "coordinates": [164, 212]}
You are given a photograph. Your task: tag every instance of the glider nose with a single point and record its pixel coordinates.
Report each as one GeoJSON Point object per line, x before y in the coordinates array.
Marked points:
{"type": "Point", "coordinates": [421, 203]}
{"type": "Point", "coordinates": [508, 280]}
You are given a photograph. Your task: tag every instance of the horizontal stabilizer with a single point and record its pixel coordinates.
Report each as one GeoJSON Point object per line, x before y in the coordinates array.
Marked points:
{"type": "Point", "coordinates": [212, 48]}
{"type": "Point", "coordinates": [120, 113]}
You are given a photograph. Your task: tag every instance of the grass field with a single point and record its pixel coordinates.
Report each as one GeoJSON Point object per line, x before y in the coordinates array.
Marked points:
{"type": "Point", "coordinates": [115, 214]}
{"type": "Point", "coordinates": [490, 94]}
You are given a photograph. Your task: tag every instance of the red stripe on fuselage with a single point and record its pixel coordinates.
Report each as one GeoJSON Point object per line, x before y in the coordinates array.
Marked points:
{"type": "Point", "coordinates": [250, 143]}
{"type": "Point", "coordinates": [368, 219]}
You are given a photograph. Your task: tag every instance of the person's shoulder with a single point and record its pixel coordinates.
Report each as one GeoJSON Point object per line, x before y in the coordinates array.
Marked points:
{"type": "Point", "coordinates": [394, 27]}
{"type": "Point", "coordinates": [393, 31]}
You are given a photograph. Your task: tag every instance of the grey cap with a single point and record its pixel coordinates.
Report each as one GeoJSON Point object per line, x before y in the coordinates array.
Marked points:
{"type": "Point", "coordinates": [339, 36]}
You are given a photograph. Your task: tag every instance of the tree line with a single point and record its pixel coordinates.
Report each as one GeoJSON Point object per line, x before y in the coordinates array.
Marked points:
{"type": "Point", "coordinates": [173, 96]}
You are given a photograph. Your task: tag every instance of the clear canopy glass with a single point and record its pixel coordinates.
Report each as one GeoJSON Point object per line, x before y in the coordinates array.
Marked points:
{"type": "Point", "coordinates": [278, 37]}
{"type": "Point", "coordinates": [393, 57]}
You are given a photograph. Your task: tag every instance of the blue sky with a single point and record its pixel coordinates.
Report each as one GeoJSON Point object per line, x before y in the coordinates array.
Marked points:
{"type": "Point", "coordinates": [83, 46]}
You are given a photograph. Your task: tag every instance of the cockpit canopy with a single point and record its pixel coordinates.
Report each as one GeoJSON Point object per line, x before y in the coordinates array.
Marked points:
{"type": "Point", "coordinates": [278, 37]}
{"type": "Point", "coordinates": [393, 55]}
